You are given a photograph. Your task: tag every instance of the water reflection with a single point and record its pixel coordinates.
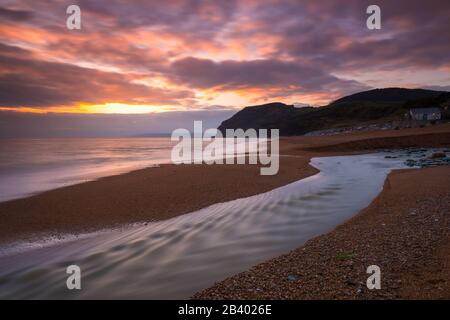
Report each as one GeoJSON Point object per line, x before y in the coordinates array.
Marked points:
{"type": "Point", "coordinates": [177, 257]}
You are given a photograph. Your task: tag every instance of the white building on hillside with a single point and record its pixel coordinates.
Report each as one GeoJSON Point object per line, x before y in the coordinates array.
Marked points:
{"type": "Point", "coordinates": [425, 114]}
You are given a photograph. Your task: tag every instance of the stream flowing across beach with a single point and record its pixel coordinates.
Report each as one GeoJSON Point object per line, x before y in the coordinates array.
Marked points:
{"type": "Point", "coordinates": [174, 258]}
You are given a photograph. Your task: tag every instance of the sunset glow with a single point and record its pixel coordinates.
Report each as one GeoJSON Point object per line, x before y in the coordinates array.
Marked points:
{"type": "Point", "coordinates": [126, 108]}
{"type": "Point", "coordinates": [142, 57]}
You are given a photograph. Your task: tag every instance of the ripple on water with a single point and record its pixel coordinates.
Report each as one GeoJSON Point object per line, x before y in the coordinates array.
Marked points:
{"type": "Point", "coordinates": [177, 257]}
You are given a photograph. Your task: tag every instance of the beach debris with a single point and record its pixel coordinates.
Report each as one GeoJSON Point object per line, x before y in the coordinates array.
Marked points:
{"type": "Point", "coordinates": [438, 155]}
{"type": "Point", "coordinates": [292, 277]}
{"type": "Point", "coordinates": [345, 255]}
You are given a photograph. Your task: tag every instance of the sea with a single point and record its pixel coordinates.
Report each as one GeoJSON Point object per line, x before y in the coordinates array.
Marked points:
{"type": "Point", "coordinates": [30, 166]}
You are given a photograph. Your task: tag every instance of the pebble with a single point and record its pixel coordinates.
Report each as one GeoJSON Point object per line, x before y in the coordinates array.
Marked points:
{"type": "Point", "coordinates": [292, 277]}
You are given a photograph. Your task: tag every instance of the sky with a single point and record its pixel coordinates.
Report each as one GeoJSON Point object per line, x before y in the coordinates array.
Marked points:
{"type": "Point", "coordinates": [191, 59]}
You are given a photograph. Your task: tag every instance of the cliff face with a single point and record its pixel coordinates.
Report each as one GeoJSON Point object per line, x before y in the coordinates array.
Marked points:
{"type": "Point", "coordinates": [268, 116]}
{"type": "Point", "coordinates": [369, 106]}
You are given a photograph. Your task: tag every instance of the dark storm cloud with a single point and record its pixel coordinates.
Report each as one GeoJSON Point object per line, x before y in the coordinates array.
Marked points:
{"type": "Point", "coordinates": [326, 37]}
{"type": "Point", "coordinates": [330, 32]}
{"type": "Point", "coordinates": [197, 18]}
{"type": "Point", "coordinates": [25, 81]}
{"type": "Point", "coordinates": [192, 18]}
{"type": "Point", "coordinates": [229, 75]}
{"type": "Point", "coordinates": [414, 33]}
{"type": "Point", "coordinates": [122, 55]}
{"type": "Point", "coordinates": [15, 15]}
{"type": "Point", "coordinates": [312, 44]}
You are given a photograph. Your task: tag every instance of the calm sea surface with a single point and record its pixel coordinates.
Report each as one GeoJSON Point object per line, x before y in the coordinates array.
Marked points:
{"type": "Point", "coordinates": [28, 166]}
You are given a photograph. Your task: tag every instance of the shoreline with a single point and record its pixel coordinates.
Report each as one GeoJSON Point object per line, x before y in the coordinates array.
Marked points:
{"type": "Point", "coordinates": [177, 257]}
{"type": "Point", "coordinates": [140, 196]}
{"type": "Point", "coordinates": [153, 194]}
{"type": "Point", "coordinates": [405, 231]}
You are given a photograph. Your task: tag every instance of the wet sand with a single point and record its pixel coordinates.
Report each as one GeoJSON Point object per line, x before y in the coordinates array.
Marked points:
{"type": "Point", "coordinates": [405, 231]}
{"type": "Point", "coordinates": [161, 193]}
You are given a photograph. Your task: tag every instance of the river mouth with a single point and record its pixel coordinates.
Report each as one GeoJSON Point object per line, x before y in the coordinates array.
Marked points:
{"type": "Point", "coordinates": [175, 258]}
